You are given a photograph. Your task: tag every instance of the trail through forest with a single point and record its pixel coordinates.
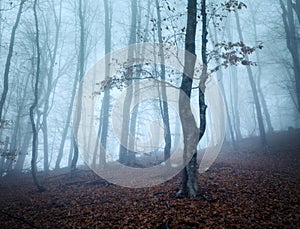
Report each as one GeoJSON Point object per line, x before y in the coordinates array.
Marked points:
{"type": "Point", "coordinates": [247, 188]}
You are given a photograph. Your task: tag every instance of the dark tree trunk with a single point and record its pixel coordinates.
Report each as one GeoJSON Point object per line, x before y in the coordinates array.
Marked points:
{"type": "Point", "coordinates": [291, 41]}
{"type": "Point", "coordinates": [8, 59]}
{"type": "Point", "coordinates": [34, 105]}
{"type": "Point", "coordinates": [191, 134]}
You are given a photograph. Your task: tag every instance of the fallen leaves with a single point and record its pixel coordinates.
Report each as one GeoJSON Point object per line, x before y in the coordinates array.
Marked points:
{"type": "Point", "coordinates": [240, 190]}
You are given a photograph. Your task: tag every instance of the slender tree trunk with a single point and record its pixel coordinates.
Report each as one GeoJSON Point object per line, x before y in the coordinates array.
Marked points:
{"type": "Point", "coordinates": [220, 79]}
{"type": "Point", "coordinates": [34, 105]}
{"type": "Point", "coordinates": [292, 43]}
{"type": "Point", "coordinates": [258, 80]}
{"type": "Point", "coordinates": [234, 94]}
{"type": "Point", "coordinates": [67, 124]}
{"type": "Point", "coordinates": [106, 98]}
{"type": "Point", "coordinates": [81, 63]}
{"type": "Point", "coordinates": [123, 152]}
{"type": "Point", "coordinates": [254, 89]}
{"type": "Point", "coordinates": [165, 111]}
{"type": "Point", "coordinates": [50, 88]}
{"type": "Point", "coordinates": [8, 59]}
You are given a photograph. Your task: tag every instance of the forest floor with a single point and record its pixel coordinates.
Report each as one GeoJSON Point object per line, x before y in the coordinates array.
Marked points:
{"type": "Point", "coordinates": [246, 188]}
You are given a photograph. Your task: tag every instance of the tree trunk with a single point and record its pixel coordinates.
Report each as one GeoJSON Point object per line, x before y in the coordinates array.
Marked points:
{"type": "Point", "coordinates": [34, 105]}
{"type": "Point", "coordinates": [292, 43]}
{"type": "Point", "coordinates": [123, 152]}
{"type": "Point", "coordinates": [220, 79]}
{"type": "Point", "coordinates": [23, 151]}
{"type": "Point", "coordinates": [106, 98]}
{"type": "Point", "coordinates": [254, 89]}
{"type": "Point", "coordinates": [67, 124]}
{"type": "Point", "coordinates": [3, 156]}
{"type": "Point", "coordinates": [296, 7]}
{"type": "Point", "coordinates": [258, 80]}
{"type": "Point", "coordinates": [165, 109]}
{"type": "Point", "coordinates": [81, 63]}
{"type": "Point", "coordinates": [191, 134]}
{"type": "Point", "coordinates": [50, 88]}
{"type": "Point", "coordinates": [8, 59]}
{"type": "Point", "coordinates": [234, 95]}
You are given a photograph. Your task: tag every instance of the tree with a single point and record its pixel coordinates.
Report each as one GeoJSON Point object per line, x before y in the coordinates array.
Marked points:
{"type": "Point", "coordinates": [80, 67]}
{"type": "Point", "coordinates": [35, 103]}
{"type": "Point", "coordinates": [220, 78]}
{"type": "Point", "coordinates": [191, 134]}
{"type": "Point", "coordinates": [106, 98]}
{"type": "Point", "coordinates": [165, 109]}
{"type": "Point", "coordinates": [253, 87]}
{"type": "Point", "coordinates": [258, 81]}
{"type": "Point", "coordinates": [52, 53]}
{"type": "Point", "coordinates": [9, 57]}
{"type": "Point", "coordinates": [125, 156]}
{"type": "Point", "coordinates": [291, 40]}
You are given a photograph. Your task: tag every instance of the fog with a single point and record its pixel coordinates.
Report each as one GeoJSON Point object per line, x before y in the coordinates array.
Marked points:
{"type": "Point", "coordinates": [73, 36]}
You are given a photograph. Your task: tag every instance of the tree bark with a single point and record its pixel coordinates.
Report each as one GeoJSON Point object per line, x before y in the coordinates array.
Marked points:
{"type": "Point", "coordinates": [191, 134]}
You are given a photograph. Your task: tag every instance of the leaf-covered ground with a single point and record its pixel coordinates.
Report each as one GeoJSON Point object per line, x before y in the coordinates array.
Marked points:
{"type": "Point", "coordinates": [247, 188]}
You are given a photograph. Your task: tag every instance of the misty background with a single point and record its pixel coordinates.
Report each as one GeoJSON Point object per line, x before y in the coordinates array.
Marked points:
{"type": "Point", "coordinates": [74, 35]}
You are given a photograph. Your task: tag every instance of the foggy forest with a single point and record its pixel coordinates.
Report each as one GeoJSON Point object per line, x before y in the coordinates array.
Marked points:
{"type": "Point", "coordinates": [149, 114]}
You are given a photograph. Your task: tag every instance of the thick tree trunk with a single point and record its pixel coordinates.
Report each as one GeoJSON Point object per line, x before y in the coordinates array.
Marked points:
{"type": "Point", "coordinates": [189, 187]}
